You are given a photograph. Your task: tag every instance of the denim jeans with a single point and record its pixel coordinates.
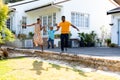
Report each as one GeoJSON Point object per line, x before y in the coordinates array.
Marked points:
{"type": "Point", "coordinates": [50, 43]}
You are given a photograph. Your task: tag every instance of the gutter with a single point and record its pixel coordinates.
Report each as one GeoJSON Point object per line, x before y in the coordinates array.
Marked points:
{"type": "Point", "coordinates": [113, 12]}
{"type": "Point", "coordinates": [39, 7]}
{"type": "Point", "coordinates": [23, 3]}
{"type": "Point", "coordinates": [47, 5]}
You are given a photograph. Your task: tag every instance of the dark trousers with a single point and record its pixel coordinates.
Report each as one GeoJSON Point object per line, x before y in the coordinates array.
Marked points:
{"type": "Point", "coordinates": [50, 42]}
{"type": "Point", "coordinates": [64, 41]}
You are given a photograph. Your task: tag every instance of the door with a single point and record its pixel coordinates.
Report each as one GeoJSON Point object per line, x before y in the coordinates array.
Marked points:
{"type": "Point", "coordinates": [118, 32]}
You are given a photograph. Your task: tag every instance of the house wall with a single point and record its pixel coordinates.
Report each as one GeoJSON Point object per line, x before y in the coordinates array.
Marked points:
{"type": "Point", "coordinates": [69, 7]}
{"type": "Point", "coordinates": [20, 12]}
{"type": "Point", "coordinates": [31, 16]}
{"type": "Point", "coordinates": [97, 11]}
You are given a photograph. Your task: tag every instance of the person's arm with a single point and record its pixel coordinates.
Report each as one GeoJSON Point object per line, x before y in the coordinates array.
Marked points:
{"type": "Point", "coordinates": [31, 24]}
{"type": "Point", "coordinates": [43, 28]}
{"type": "Point", "coordinates": [24, 25]}
{"type": "Point", "coordinates": [58, 27]}
{"type": "Point", "coordinates": [75, 27]}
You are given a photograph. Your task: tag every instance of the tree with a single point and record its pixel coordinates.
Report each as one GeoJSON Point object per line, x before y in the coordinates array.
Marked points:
{"type": "Point", "coordinates": [5, 33]}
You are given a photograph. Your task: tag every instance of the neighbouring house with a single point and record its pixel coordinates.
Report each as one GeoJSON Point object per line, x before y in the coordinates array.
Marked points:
{"type": "Point", "coordinates": [115, 23]}
{"type": "Point", "coordinates": [84, 14]}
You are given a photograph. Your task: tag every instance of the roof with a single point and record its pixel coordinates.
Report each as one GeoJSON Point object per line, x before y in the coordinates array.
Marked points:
{"type": "Point", "coordinates": [115, 10]}
{"type": "Point", "coordinates": [21, 3]}
{"type": "Point", "coordinates": [55, 4]}
{"type": "Point", "coordinates": [117, 1]}
{"type": "Point", "coordinates": [47, 5]}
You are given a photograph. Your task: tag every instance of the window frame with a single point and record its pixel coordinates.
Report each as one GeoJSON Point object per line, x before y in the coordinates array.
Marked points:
{"type": "Point", "coordinates": [80, 19]}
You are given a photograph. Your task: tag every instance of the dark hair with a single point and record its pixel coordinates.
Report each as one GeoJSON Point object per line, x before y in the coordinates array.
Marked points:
{"type": "Point", "coordinates": [38, 19]}
{"type": "Point", "coordinates": [63, 16]}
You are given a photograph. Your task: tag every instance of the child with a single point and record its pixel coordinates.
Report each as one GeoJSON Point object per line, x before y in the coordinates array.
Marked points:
{"type": "Point", "coordinates": [51, 37]}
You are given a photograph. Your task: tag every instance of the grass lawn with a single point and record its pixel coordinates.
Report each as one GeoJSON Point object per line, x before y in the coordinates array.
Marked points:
{"type": "Point", "coordinates": [31, 69]}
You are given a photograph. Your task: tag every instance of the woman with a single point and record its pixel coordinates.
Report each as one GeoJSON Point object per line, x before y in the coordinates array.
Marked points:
{"type": "Point", "coordinates": [37, 38]}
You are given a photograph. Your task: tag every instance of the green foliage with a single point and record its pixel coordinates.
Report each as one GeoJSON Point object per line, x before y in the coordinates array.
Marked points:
{"type": "Point", "coordinates": [88, 38]}
{"type": "Point", "coordinates": [5, 33]}
{"type": "Point", "coordinates": [31, 34]}
{"type": "Point", "coordinates": [108, 41]}
{"type": "Point", "coordinates": [57, 36]}
{"type": "Point", "coordinates": [113, 45]}
{"type": "Point", "coordinates": [22, 36]}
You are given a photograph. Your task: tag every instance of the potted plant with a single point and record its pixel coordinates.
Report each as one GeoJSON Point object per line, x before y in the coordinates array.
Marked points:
{"type": "Point", "coordinates": [31, 34]}
{"type": "Point", "coordinates": [22, 36]}
{"type": "Point", "coordinates": [82, 39]}
{"type": "Point", "coordinates": [108, 41]}
{"type": "Point", "coordinates": [87, 39]}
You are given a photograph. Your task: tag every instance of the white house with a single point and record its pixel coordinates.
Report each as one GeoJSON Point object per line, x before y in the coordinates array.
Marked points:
{"type": "Point", "coordinates": [115, 24]}
{"type": "Point", "coordinates": [84, 14]}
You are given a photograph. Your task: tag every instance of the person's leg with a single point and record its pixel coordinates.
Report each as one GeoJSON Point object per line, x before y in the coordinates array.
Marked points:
{"type": "Point", "coordinates": [66, 41]}
{"type": "Point", "coordinates": [62, 42]}
{"type": "Point", "coordinates": [52, 43]}
{"type": "Point", "coordinates": [41, 47]}
{"type": "Point", "coordinates": [48, 43]}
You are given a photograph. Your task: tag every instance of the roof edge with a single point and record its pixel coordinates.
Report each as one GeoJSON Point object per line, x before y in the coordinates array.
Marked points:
{"type": "Point", "coordinates": [113, 12]}
{"type": "Point", "coordinates": [22, 3]}
{"type": "Point", "coordinates": [50, 4]}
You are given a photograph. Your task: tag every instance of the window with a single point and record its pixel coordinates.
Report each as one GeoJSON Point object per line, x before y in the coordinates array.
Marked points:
{"type": "Point", "coordinates": [54, 19]}
{"type": "Point", "coordinates": [45, 23]}
{"type": "Point", "coordinates": [24, 21]}
{"type": "Point", "coordinates": [80, 19]}
{"type": "Point", "coordinates": [8, 23]}
{"type": "Point", "coordinates": [48, 21]}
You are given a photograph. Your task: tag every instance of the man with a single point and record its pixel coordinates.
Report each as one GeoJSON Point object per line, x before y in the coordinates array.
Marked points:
{"type": "Point", "coordinates": [65, 30]}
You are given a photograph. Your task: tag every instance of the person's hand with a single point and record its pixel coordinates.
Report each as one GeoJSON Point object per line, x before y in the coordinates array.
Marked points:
{"type": "Point", "coordinates": [24, 25]}
{"type": "Point", "coordinates": [44, 28]}
{"type": "Point", "coordinates": [56, 24]}
{"type": "Point", "coordinates": [78, 29]}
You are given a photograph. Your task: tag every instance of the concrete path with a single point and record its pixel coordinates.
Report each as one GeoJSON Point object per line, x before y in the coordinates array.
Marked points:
{"type": "Point", "coordinates": [113, 53]}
